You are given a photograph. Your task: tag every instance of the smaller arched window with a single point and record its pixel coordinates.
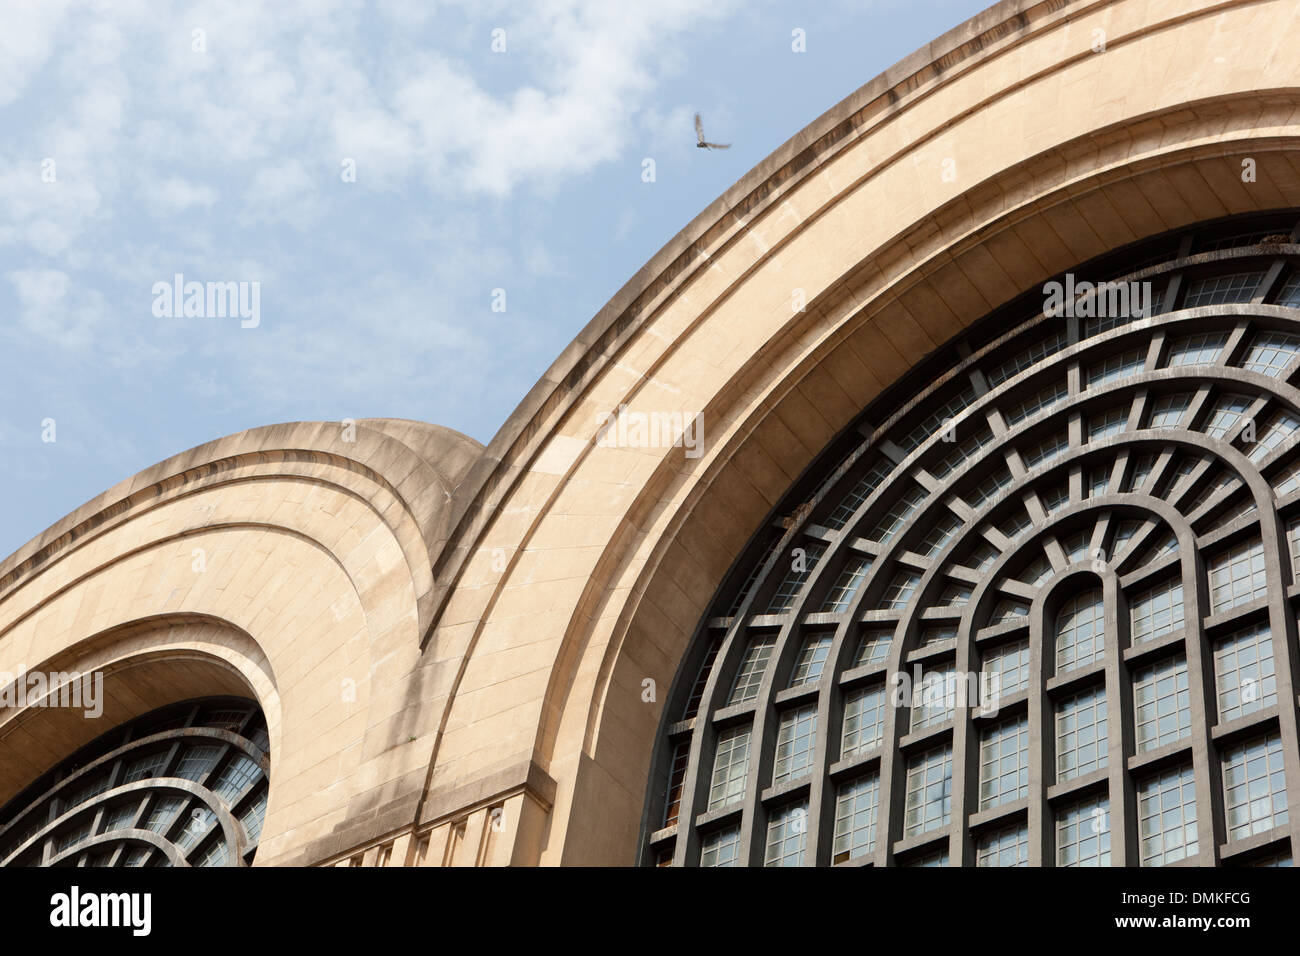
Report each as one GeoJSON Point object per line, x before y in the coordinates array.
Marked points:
{"type": "Point", "coordinates": [184, 785]}
{"type": "Point", "coordinates": [1080, 631]}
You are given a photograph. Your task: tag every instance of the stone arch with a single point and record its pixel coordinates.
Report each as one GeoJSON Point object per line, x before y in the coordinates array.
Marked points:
{"type": "Point", "coordinates": [290, 564]}
{"type": "Point", "coordinates": [788, 384]}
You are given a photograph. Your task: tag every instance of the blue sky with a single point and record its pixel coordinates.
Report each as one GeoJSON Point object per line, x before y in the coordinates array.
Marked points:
{"type": "Point", "coordinates": [220, 155]}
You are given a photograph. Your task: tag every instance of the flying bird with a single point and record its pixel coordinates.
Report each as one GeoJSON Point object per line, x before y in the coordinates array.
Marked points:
{"type": "Point", "coordinates": [699, 135]}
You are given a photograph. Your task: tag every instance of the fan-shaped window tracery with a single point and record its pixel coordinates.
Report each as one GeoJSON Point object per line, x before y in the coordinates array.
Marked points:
{"type": "Point", "coordinates": [185, 785]}
{"type": "Point", "coordinates": [1089, 492]}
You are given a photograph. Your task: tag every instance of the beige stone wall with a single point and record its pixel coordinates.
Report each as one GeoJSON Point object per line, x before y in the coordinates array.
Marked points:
{"type": "Point", "coordinates": [499, 713]}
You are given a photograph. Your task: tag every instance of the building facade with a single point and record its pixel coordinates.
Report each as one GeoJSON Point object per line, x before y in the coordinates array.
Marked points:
{"type": "Point", "coordinates": [981, 382]}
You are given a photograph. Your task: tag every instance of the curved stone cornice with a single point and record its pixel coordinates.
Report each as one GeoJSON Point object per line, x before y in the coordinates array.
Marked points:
{"type": "Point", "coordinates": [995, 31]}
{"type": "Point", "coordinates": [408, 471]}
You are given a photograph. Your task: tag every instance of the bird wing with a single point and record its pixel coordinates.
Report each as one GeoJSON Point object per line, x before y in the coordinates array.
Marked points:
{"type": "Point", "coordinates": [699, 128]}
{"type": "Point", "coordinates": [718, 145]}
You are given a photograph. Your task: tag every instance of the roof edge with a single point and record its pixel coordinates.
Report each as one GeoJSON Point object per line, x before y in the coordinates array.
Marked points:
{"type": "Point", "coordinates": [971, 38]}
{"type": "Point", "coordinates": [420, 440]}
{"type": "Point", "coordinates": [984, 35]}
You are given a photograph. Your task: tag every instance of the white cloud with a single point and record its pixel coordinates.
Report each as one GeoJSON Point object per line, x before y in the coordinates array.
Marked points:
{"type": "Point", "coordinates": [283, 191]}
{"type": "Point", "coordinates": [28, 36]}
{"type": "Point", "coordinates": [293, 76]}
{"type": "Point", "coordinates": [175, 160]}
{"type": "Point", "coordinates": [175, 194]}
{"type": "Point", "coordinates": [52, 309]}
{"type": "Point", "coordinates": [601, 64]}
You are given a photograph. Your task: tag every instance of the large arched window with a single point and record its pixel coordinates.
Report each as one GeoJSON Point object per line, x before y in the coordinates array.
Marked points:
{"type": "Point", "coordinates": [1095, 510]}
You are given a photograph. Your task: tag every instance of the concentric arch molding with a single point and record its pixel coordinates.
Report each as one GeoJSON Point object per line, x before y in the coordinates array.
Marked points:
{"type": "Point", "coordinates": [894, 264]}
{"type": "Point", "coordinates": [290, 564]}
